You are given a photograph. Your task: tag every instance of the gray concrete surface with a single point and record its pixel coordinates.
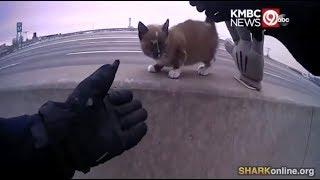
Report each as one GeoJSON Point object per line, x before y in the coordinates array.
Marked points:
{"type": "Point", "coordinates": [199, 127]}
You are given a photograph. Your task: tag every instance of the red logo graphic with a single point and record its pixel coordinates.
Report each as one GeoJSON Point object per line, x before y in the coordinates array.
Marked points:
{"type": "Point", "coordinates": [270, 17]}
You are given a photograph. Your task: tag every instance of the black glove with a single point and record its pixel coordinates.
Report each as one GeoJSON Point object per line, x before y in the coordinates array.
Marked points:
{"type": "Point", "coordinates": [93, 126]}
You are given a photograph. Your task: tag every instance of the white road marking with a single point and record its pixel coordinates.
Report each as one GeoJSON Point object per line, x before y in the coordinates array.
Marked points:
{"type": "Point", "coordinates": [108, 37]}
{"type": "Point", "coordinates": [95, 52]}
{"type": "Point", "coordinates": [278, 76]}
{"type": "Point", "coordinates": [29, 49]}
{"type": "Point", "coordinates": [109, 42]}
{"type": "Point", "coordinates": [10, 65]}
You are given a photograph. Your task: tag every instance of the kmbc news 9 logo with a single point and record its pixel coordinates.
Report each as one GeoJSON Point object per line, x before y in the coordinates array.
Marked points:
{"type": "Point", "coordinates": [265, 18]}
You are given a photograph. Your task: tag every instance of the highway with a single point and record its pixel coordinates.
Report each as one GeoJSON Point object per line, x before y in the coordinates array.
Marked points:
{"type": "Point", "coordinates": [104, 47]}
{"type": "Point", "coordinates": [201, 126]}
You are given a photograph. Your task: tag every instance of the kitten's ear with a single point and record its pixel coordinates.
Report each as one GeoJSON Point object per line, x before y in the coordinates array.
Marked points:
{"type": "Point", "coordinates": [142, 29]}
{"type": "Point", "coordinates": [165, 27]}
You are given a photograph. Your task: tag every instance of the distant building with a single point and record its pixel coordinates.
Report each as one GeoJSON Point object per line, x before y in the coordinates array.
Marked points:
{"type": "Point", "coordinates": [35, 37]}
{"type": "Point", "coordinates": [4, 50]}
{"type": "Point", "coordinates": [14, 42]}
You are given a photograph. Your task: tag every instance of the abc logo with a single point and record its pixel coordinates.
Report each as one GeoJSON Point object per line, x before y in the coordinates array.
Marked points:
{"type": "Point", "coordinates": [271, 18]}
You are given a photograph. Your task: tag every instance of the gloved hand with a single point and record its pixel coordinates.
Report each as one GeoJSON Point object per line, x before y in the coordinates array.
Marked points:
{"type": "Point", "coordinates": [94, 125]}
{"type": "Point", "coordinates": [248, 57]}
{"type": "Point", "coordinates": [247, 52]}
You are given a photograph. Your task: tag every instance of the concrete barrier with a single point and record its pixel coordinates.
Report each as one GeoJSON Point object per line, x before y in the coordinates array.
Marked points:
{"type": "Point", "coordinates": [193, 131]}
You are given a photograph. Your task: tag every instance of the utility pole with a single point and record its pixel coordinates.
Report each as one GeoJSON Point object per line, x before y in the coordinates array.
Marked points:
{"type": "Point", "coordinates": [130, 23]}
{"type": "Point", "coordinates": [19, 37]}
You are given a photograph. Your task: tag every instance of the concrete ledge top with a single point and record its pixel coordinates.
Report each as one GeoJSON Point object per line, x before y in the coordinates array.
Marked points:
{"type": "Point", "coordinates": [220, 82]}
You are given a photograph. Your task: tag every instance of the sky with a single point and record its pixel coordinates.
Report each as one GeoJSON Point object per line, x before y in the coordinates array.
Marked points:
{"type": "Point", "coordinates": [51, 17]}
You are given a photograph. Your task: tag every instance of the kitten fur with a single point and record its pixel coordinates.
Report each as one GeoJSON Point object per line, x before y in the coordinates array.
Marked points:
{"type": "Point", "coordinates": [186, 43]}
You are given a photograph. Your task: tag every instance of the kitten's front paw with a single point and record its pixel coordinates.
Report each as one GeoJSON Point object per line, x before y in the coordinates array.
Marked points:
{"type": "Point", "coordinates": [203, 70]}
{"type": "Point", "coordinates": [151, 69]}
{"type": "Point", "coordinates": [174, 73]}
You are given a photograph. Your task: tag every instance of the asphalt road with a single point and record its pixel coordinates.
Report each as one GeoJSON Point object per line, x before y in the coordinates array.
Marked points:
{"type": "Point", "coordinates": [101, 48]}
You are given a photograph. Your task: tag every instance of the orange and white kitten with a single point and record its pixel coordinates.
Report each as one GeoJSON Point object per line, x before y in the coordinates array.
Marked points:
{"type": "Point", "coordinates": [186, 43]}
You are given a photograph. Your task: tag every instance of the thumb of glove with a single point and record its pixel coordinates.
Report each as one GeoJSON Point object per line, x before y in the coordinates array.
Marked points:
{"type": "Point", "coordinates": [95, 85]}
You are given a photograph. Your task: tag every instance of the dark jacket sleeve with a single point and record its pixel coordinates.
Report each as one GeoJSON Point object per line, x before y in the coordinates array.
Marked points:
{"type": "Point", "coordinates": [19, 153]}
